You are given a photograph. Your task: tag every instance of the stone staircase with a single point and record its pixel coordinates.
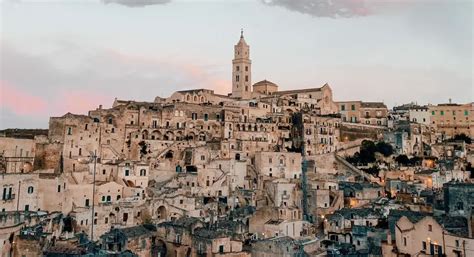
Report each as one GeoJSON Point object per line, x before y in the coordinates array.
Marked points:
{"type": "Point", "coordinates": [354, 169]}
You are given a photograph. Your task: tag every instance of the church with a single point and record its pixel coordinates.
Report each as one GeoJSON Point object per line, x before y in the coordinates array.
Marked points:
{"type": "Point", "coordinates": [319, 99]}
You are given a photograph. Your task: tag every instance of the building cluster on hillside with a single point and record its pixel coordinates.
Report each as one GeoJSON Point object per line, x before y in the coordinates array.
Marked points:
{"type": "Point", "coordinates": [258, 172]}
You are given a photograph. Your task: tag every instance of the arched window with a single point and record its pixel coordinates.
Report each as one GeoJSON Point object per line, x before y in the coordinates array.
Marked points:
{"type": "Point", "coordinates": [142, 172]}
{"type": "Point", "coordinates": [30, 190]}
{"type": "Point", "coordinates": [109, 198]}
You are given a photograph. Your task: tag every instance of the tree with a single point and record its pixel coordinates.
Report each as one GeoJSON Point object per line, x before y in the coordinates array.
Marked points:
{"type": "Point", "coordinates": [367, 152]}
{"type": "Point", "coordinates": [384, 148]}
{"type": "Point", "coordinates": [374, 170]}
{"type": "Point", "coordinates": [143, 148]}
{"type": "Point", "coordinates": [402, 160]}
{"type": "Point", "coordinates": [463, 137]}
{"type": "Point", "coordinates": [415, 161]}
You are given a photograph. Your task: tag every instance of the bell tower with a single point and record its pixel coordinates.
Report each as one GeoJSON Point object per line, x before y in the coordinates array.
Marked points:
{"type": "Point", "coordinates": [242, 70]}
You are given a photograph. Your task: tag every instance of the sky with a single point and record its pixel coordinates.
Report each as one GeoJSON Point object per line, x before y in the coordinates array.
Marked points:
{"type": "Point", "coordinates": [60, 56]}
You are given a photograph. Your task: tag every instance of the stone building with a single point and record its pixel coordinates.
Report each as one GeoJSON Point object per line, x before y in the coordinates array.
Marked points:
{"type": "Point", "coordinates": [369, 113]}
{"type": "Point", "coordinates": [452, 119]}
{"type": "Point", "coordinates": [202, 174]}
{"type": "Point", "coordinates": [442, 236]}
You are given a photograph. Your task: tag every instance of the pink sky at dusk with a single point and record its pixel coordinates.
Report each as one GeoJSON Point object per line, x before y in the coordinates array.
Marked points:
{"type": "Point", "coordinates": [54, 60]}
{"type": "Point", "coordinates": [21, 102]}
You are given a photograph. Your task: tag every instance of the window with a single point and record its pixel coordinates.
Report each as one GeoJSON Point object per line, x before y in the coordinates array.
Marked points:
{"type": "Point", "coordinates": [59, 188]}
{"type": "Point", "coordinates": [430, 227]}
{"type": "Point", "coordinates": [433, 112]}
{"type": "Point", "coordinates": [237, 68]}
{"type": "Point", "coordinates": [30, 190]}
{"type": "Point", "coordinates": [27, 207]}
{"type": "Point", "coordinates": [405, 241]}
{"type": "Point", "coordinates": [125, 217]}
{"type": "Point", "coordinates": [246, 78]}
{"type": "Point", "coordinates": [69, 131]}
{"type": "Point", "coordinates": [206, 117]}
{"type": "Point", "coordinates": [423, 245]}
{"type": "Point", "coordinates": [466, 113]}
{"type": "Point", "coordinates": [103, 198]}
{"type": "Point", "coordinates": [457, 243]}
{"type": "Point", "coordinates": [221, 249]}
{"type": "Point", "coordinates": [87, 203]}
{"type": "Point", "coordinates": [343, 107]}
{"type": "Point", "coordinates": [442, 112]}
{"type": "Point", "coordinates": [353, 107]}
{"type": "Point", "coordinates": [203, 157]}
{"type": "Point", "coordinates": [237, 78]}
{"type": "Point", "coordinates": [270, 160]}
{"type": "Point", "coordinates": [246, 68]}
{"type": "Point", "coordinates": [142, 172]}
{"type": "Point", "coordinates": [86, 126]}
{"type": "Point", "coordinates": [109, 198]}
{"type": "Point", "coordinates": [127, 172]}
{"type": "Point", "coordinates": [106, 220]}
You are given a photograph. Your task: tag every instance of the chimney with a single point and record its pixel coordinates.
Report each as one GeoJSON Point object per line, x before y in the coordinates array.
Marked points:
{"type": "Point", "coordinates": [449, 100]}
{"type": "Point", "coordinates": [100, 107]}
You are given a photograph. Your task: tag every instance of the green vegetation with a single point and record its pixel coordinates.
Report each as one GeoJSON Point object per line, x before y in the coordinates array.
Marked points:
{"type": "Point", "coordinates": [367, 152]}
{"type": "Point", "coordinates": [462, 137]}
{"type": "Point", "coordinates": [403, 160]}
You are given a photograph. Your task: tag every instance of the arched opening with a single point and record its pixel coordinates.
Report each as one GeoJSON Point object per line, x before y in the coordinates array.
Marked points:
{"type": "Point", "coordinates": [162, 213]}
{"type": "Point", "coordinates": [179, 135]}
{"type": "Point", "coordinates": [156, 135]}
{"type": "Point", "coordinates": [169, 155]}
{"type": "Point", "coordinates": [145, 134]}
{"type": "Point", "coordinates": [159, 249]}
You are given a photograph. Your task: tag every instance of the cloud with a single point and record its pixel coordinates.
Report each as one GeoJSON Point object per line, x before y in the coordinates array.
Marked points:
{"type": "Point", "coordinates": [325, 8]}
{"type": "Point", "coordinates": [19, 101]}
{"type": "Point", "coordinates": [136, 3]}
{"type": "Point", "coordinates": [77, 79]}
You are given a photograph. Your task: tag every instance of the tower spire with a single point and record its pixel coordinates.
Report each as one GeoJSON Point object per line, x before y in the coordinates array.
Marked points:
{"type": "Point", "coordinates": [241, 70]}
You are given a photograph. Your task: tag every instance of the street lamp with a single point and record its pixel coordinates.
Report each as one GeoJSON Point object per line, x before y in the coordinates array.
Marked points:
{"type": "Point", "coordinates": [92, 158]}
